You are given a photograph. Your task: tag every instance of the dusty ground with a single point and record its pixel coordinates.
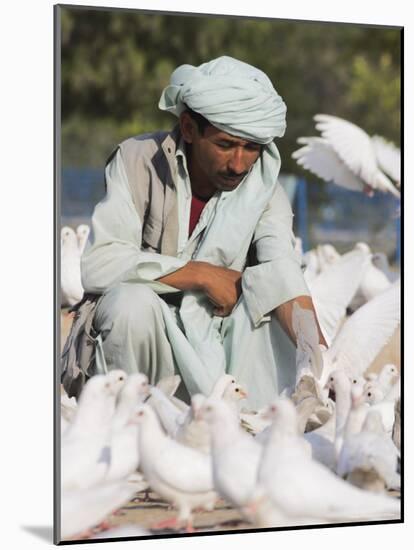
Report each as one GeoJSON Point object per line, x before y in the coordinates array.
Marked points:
{"type": "Point", "coordinates": [223, 518]}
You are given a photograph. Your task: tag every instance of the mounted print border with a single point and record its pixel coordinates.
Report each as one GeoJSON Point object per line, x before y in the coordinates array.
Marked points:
{"type": "Point", "coordinates": [135, 456]}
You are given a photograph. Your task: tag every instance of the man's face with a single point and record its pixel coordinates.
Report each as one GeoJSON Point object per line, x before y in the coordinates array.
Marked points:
{"type": "Point", "coordinates": [218, 161]}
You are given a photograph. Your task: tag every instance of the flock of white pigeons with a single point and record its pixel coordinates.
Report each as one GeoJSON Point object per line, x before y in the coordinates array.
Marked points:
{"type": "Point", "coordinates": [324, 451]}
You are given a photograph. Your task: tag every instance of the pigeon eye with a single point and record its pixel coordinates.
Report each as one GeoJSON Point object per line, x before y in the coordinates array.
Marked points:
{"type": "Point", "coordinates": [141, 413]}
{"type": "Point", "coordinates": [121, 378]}
{"type": "Point", "coordinates": [331, 379]}
{"type": "Point", "coordinates": [237, 389]}
{"type": "Point", "coordinates": [354, 381]}
{"type": "Point", "coordinates": [369, 394]}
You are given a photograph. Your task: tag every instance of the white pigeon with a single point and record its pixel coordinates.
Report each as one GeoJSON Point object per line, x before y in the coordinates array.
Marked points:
{"type": "Point", "coordinates": [179, 474]}
{"type": "Point", "coordinates": [344, 154]}
{"type": "Point", "coordinates": [170, 416]}
{"type": "Point", "coordinates": [82, 234]}
{"type": "Point", "coordinates": [333, 289]}
{"type": "Point", "coordinates": [358, 342]}
{"type": "Point", "coordinates": [235, 454]}
{"type": "Point", "coordinates": [364, 334]}
{"type": "Point", "coordinates": [299, 488]}
{"type": "Point", "coordinates": [173, 419]}
{"type": "Point", "coordinates": [124, 434]}
{"type": "Point", "coordinates": [380, 260]}
{"type": "Point", "coordinates": [326, 443]}
{"type": "Point", "coordinates": [368, 459]}
{"type": "Point", "coordinates": [373, 283]}
{"type": "Point", "coordinates": [311, 261]}
{"type": "Point", "coordinates": [70, 275]}
{"type": "Point", "coordinates": [85, 445]}
{"type": "Point", "coordinates": [194, 431]}
{"type": "Point", "coordinates": [82, 509]}
{"type": "Point", "coordinates": [386, 408]}
{"type": "Point", "coordinates": [327, 254]}
{"type": "Point", "coordinates": [387, 377]}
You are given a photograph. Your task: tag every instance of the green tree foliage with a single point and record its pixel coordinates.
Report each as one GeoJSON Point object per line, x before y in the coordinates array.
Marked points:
{"type": "Point", "coordinates": [116, 63]}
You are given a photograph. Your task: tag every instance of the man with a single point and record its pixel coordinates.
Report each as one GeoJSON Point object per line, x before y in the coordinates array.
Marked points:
{"type": "Point", "coordinates": [172, 242]}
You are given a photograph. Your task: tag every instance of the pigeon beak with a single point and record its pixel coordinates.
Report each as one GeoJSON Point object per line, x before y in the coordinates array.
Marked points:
{"type": "Point", "coordinates": [243, 394]}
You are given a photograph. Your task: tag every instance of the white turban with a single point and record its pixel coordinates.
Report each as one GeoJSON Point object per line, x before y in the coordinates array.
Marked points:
{"type": "Point", "coordinates": [233, 96]}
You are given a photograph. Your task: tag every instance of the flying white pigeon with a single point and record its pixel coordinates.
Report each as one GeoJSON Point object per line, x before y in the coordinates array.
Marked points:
{"type": "Point", "coordinates": [364, 334]}
{"type": "Point", "coordinates": [333, 289]}
{"type": "Point", "coordinates": [345, 155]}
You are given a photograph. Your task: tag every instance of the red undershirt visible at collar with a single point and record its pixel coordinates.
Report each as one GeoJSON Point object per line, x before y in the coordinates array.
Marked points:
{"type": "Point", "coordinates": [197, 206]}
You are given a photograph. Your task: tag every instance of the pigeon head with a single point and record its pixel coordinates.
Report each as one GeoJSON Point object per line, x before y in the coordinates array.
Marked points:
{"type": "Point", "coordinates": [388, 371]}
{"type": "Point", "coordinates": [82, 234]}
{"type": "Point", "coordinates": [221, 384]}
{"type": "Point", "coordinates": [66, 233]}
{"type": "Point", "coordinates": [95, 387]}
{"type": "Point", "coordinates": [363, 247]}
{"type": "Point", "coordinates": [214, 410]}
{"type": "Point", "coordinates": [68, 239]}
{"type": "Point", "coordinates": [116, 379]}
{"type": "Point", "coordinates": [82, 231]}
{"type": "Point", "coordinates": [143, 414]}
{"type": "Point", "coordinates": [136, 387]}
{"type": "Point", "coordinates": [373, 395]}
{"type": "Point", "coordinates": [337, 380]}
{"type": "Point", "coordinates": [234, 392]}
{"type": "Point", "coordinates": [282, 413]}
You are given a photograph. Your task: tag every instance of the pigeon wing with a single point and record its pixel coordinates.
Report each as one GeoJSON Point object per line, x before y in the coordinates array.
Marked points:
{"type": "Point", "coordinates": [366, 332]}
{"type": "Point", "coordinates": [334, 288]}
{"type": "Point", "coordinates": [318, 156]}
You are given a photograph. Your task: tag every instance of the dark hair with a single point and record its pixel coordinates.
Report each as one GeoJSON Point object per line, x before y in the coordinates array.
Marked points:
{"type": "Point", "coordinates": [201, 121]}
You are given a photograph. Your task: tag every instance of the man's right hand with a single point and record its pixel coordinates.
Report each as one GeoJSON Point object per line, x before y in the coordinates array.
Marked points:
{"type": "Point", "coordinates": [221, 285]}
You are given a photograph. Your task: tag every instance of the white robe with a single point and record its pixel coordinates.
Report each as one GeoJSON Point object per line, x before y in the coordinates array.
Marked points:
{"type": "Point", "coordinates": [249, 343]}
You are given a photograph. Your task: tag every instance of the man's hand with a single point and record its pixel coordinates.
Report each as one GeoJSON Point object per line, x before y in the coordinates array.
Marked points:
{"type": "Point", "coordinates": [221, 285]}
{"type": "Point", "coordinates": [284, 315]}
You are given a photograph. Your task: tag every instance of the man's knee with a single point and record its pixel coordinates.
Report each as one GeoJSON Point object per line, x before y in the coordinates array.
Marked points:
{"type": "Point", "coordinates": [128, 304]}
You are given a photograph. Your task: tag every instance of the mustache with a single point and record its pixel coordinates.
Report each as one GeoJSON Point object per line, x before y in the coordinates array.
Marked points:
{"type": "Point", "coordinates": [234, 175]}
